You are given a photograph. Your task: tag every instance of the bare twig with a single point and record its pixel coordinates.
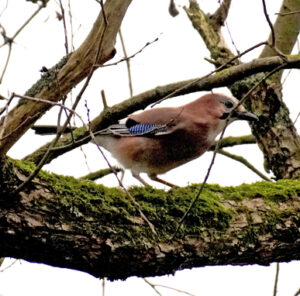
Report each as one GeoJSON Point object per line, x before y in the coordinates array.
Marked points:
{"type": "Point", "coordinates": [223, 66]}
{"type": "Point", "coordinates": [71, 110]}
{"type": "Point", "coordinates": [130, 57]}
{"type": "Point", "coordinates": [7, 104]}
{"type": "Point", "coordinates": [64, 25]}
{"type": "Point", "coordinates": [276, 280]}
{"type": "Point", "coordinates": [153, 286]}
{"type": "Point", "coordinates": [127, 63]}
{"type": "Point", "coordinates": [105, 106]}
{"type": "Point", "coordinates": [6, 62]}
{"type": "Point", "coordinates": [287, 13]}
{"type": "Point", "coordinates": [2, 98]}
{"type": "Point", "coordinates": [219, 17]}
{"type": "Point", "coordinates": [60, 132]}
{"type": "Point", "coordinates": [269, 22]}
{"type": "Point", "coordinates": [4, 8]}
{"type": "Point", "coordinates": [273, 40]}
{"type": "Point", "coordinates": [142, 100]}
{"type": "Point", "coordinates": [244, 162]}
{"type": "Point", "coordinates": [10, 40]}
{"type": "Point", "coordinates": [5, 118]}
{"type": "Point", "coordinates": [231, 38]}
{"type": "Point", "coordinates": [45, 156]}
{"type": "Point", "coordinates": [27, 22]}
{"type": "Point", "coordinates": [202, 185]}
{"type": "Point", "coordinates": [103, 12]}
{"type": "Point", "coordinates": [258, 83]}
{"type": "Point", "coordinates": [296, 119]}
{"type": "Point", "coordinates": [137, 205]}
{"type": "Point", "coordinates": [103, 286]}
{"type": "Point", "coordinates": [10, 265]}
{"type": "Point", "coordinates": [71, 25]}
{"type": "Point", "coordinates": [246, 96]}
{"type": "Point", "coordinates": [297, 293]}
{"type": "Point", "coordinates": [101, 173]}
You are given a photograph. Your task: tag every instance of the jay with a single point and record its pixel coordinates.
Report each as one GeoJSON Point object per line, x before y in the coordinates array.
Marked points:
{"type": "Point", "coordinates": [160, 139]}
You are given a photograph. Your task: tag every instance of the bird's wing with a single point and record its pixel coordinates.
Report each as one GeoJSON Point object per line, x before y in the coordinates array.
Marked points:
{"type": "Point", "coordinates": [138, 129]}
{"type": "Point", "coordinates": [153, 122]}
{"type": "Point", "coordinates": [163, 116]}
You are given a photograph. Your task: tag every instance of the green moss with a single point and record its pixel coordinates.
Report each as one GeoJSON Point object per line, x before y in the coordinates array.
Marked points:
{"type": "Point", "coordinates": [25, 166]}
{"type": "Point", "coordinates": [80, 131]}
{"type": "Point", "coordinates": [46, 79]}
{"type": "Point", "coordinates": [279, 191]}
{"type": "Point", "coordinates": [109, 211]}
{"type": "Point", "coordinates": [293, 56]}
{"type": "Point", "coordinates": [244, 85]}
{"type": "Point", "coordinates": [224, 72]}
{"type": "Point", "coordinates": [167, 208]}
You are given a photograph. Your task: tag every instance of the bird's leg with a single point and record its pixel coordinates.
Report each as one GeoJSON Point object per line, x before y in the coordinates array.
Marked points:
{"type": "Point", "coordinates": [138, 177]}
{"type": "Point", "coordinates": [155, 178]}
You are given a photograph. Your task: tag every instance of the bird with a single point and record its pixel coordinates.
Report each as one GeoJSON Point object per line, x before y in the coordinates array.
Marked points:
{"type": "Point", "coordinates": [160, 139]}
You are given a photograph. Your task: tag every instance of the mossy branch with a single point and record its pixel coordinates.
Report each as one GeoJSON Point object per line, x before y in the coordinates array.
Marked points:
{"type": "Point", "coordinates": [275, 133]}
{"type": "Point", "coordinates": [286, 29]}
{"type": "Point", "coordinates": [113, 114]}
{"type": "Point", "coordinates": [234, 141]}
{"type": "Point", "coordinates": [101, 173]}
{"type": "Point", "coordinates": [248, 224]}
{"type": "Point", "coordinates": [209, 30]}
{"type": "Point", "coordinates": [65, 75]}
{"type": "Point", "coordinates": [243, 161]}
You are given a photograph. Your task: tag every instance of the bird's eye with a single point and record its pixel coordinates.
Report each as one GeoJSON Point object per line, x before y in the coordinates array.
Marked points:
{"type": "Point", "coordinates": [228, 104]}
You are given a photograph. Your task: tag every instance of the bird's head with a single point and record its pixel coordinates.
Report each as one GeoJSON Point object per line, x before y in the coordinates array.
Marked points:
{"type": "Point", "coordinates": [232, 110]}
{"type": "Point", "coordinates": [219, 107]}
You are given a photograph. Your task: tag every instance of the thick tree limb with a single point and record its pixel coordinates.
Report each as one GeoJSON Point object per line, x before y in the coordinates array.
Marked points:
{"type": "Point", "coordinates": [286, 29]}
{"type": "Point", "coordinates": [75, 224]}
{"type": "Point", "coordinates": [141, 101]}
{"type": "Point", "coordinates": [66, 74]}
{"type": "Point", "coordinates": [275, 132]}
{"type": "Point", "coordinates": [210, 32]}
{"type": "Point", "coordinates": [220, 15]}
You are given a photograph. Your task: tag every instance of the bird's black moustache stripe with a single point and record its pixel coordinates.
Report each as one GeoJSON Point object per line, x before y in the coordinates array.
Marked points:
{"type": "Point", "coordinates": [224, 115]}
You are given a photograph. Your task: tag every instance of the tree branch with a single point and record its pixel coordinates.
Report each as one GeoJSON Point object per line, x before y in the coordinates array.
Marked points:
{"type": "Point", "coordinates": [286, 29]}
{"type": "Point", "coordinates": [233, 141]}
{"type": "Point", "coordinates": [220, 15]}
{"type": "Point", "coordinates": [275, 133]}
{"type": "Point", "coordinates": [101, 173]}
{"type": "Point", "coordinates": [67, 74]}
{"type": "Point", "coordinates": [141, 101]}
{"type": "Point", "coordinates": [244, 162]}
{"type": "Point", "coordinates": [210, 33]}
{"type": "Point", "coordinates": [247, 224]}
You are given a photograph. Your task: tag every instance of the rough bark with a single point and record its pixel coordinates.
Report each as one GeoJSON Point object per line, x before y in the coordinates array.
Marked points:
{"type": "Point", "coordinates": [286, 28]}
{"type": "Point", "coordinates": [76, 224]}
{"type": "Point", "coordinates": [275, 132]}
{"type": "Point", "coordinates": [141, 101]}
{"type": "Point", "coordinates": [66, 74]}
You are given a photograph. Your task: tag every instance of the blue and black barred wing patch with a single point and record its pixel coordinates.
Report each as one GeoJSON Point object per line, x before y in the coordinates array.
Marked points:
{"type": "Point", "coordinates": [147, 129]}
{"type": "Point", "coordinates": [139, 129]}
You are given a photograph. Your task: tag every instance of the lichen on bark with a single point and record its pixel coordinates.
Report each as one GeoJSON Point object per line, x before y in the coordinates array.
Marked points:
{"type": "Point", "coordinates": [79, 224]}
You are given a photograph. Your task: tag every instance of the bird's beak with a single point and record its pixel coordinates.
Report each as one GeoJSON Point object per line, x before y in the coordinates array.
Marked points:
{"type": "Point", "coordinates": [245, 116]}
